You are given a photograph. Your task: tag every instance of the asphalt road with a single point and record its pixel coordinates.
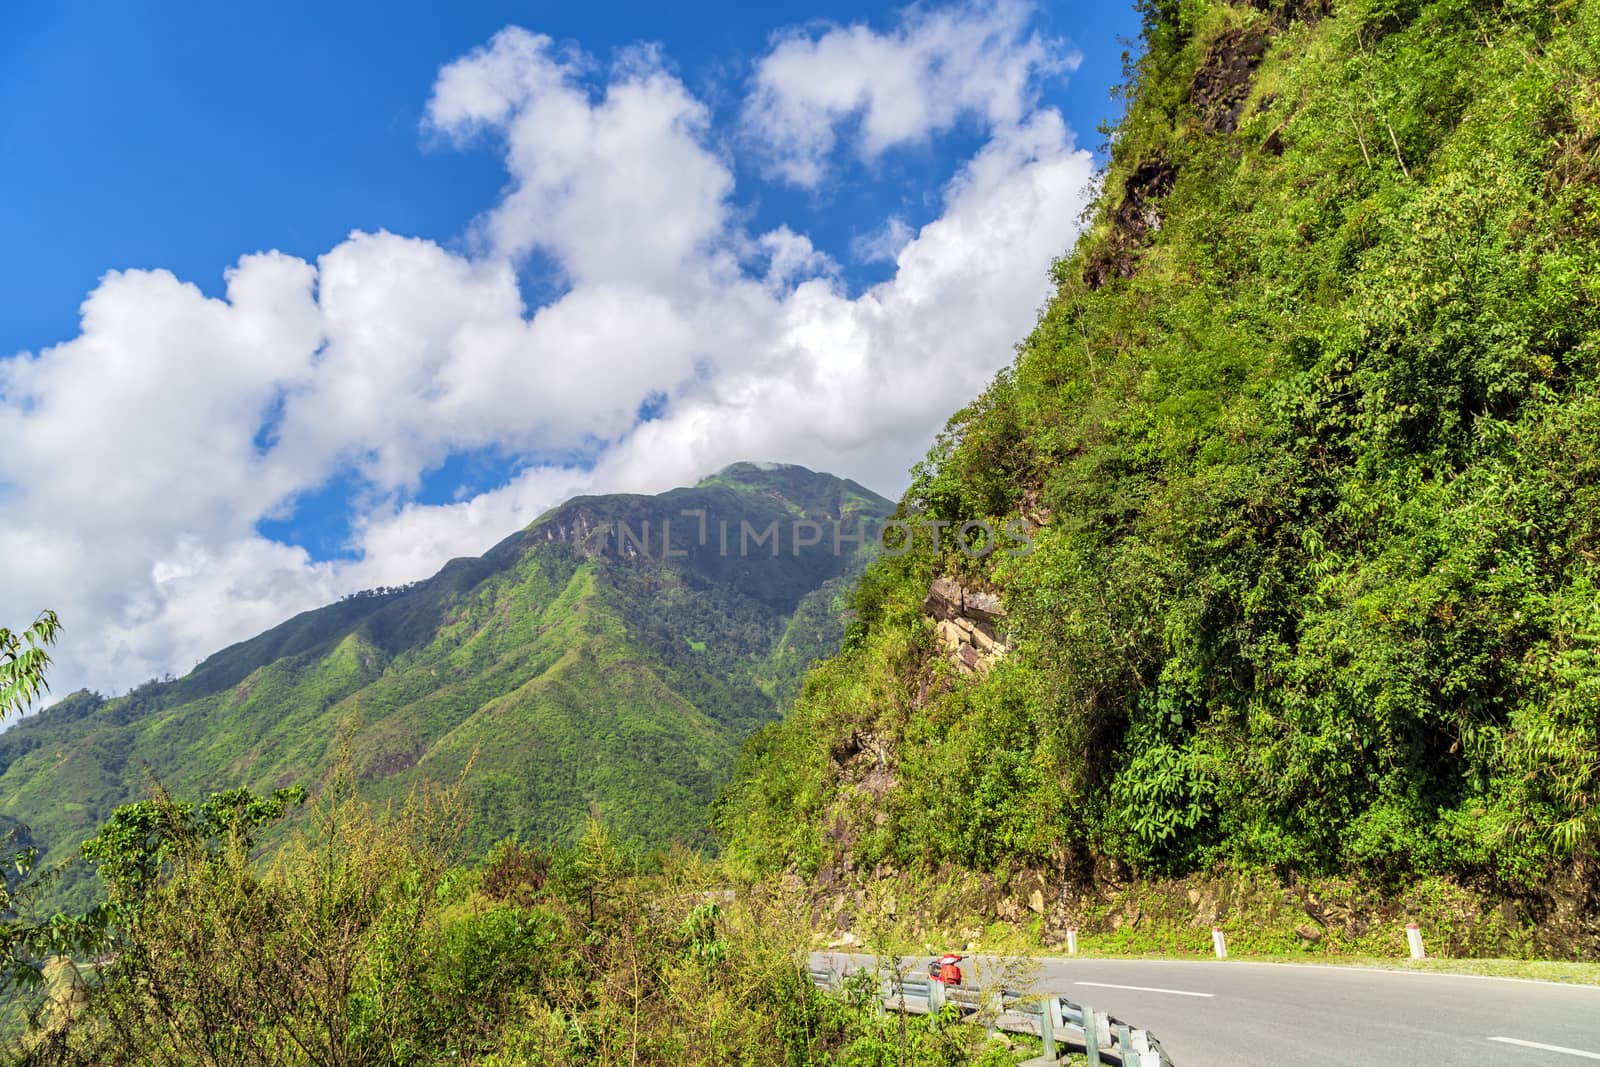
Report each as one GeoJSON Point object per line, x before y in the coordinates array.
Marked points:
{"type": "Point", "coordinates": [1232, 1012]}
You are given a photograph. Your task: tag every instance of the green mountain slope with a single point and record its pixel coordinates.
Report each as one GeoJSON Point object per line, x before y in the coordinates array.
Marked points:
{"type": "Point", "coordinates": [1310, 440]}
{"type": "Point", "coordinates": [582, 667]}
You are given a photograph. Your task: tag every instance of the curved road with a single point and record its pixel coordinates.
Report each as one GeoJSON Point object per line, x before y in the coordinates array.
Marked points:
{"type": "Point", "coordinates": [1233, 1012]}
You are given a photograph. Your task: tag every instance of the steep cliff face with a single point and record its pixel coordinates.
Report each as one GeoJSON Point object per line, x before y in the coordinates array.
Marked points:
{"type": "Point", "coordinates": [609, 658]}
{"type": "Point", "coordinates": [1309, 444]}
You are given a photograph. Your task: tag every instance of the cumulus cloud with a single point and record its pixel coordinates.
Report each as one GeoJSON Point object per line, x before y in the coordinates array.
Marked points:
{"type": "Point", "coordinates": [857, 384]}
{"type": "Point", "coordinates": [616, 185]}
{"type": "Point", "coordinates": [935, 68]}
{"type": "Point", "coordinates": [143, 453]}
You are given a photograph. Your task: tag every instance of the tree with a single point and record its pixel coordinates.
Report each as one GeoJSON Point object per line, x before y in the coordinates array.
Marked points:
{"type": "Point", "coordinates": [23, 660]}
{"type": "Point", "coordinates": [25, 945]}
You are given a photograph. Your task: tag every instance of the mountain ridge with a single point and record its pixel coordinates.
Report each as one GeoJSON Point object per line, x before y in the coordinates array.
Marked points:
{"type": "Point", "coordinates": [579, 676]}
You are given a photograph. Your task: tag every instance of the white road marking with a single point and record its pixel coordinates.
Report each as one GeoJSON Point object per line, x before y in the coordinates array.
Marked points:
{"type": "Point", "coordinates": [1368, 969]}
{"type": "Point", "coordinates": [1154, 989]}
{"type": "Point", "coordinates": [1548, 1048]}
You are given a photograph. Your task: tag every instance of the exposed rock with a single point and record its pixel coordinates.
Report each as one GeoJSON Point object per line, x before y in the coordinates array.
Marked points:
{"type": "Point", "coordinates": [984, 637]}
{"type": "Point", "coordinates": [877, 781]}
{"type": "Point", "coordinates": [1223, 81]}
{"type": "Point", "coordinates": [864, 759]}
{"type": "Point", "coordinates": [944, 599]}
{"type": "Point", "coordinates": [1134, 219]}
{"type": "Point", "coordinates": [1274, 141]}
{"type": "Point", "coordinates": [985, 606]}
{"type": "Point", "coordinates": [1034, 514]}
{"type": "Point", "coordinates": [964, 621]}
{"type": "Point", "coordinates": [1308, 932]}
{"type": "Point", "coordinates": [1285, 12]}
{"type": "Point", "coordinates": [1036, 902]}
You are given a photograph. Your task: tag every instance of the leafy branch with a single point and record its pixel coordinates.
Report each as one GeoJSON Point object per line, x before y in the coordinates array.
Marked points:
{"type": "Point", "coordinates": [23, 661]}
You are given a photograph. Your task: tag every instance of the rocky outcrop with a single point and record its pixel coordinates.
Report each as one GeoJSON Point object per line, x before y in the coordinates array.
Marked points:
{"type": "Point", "coordinates": [1286, 12]}
{"type": "Point", "coordinates": [1223, 81]}
{"type": "Point", "coordinates": [965, 621]}
{"type": "Point", "coordinates": [1136, 217]}
{"type": "Point", "coordinates": [587, 532]}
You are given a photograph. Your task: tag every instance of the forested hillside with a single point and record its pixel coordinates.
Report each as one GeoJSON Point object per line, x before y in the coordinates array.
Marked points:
{"type": "Point", "coordinates": [582, 668]}
{"type": "Point", "coordinates": [1309, 443]}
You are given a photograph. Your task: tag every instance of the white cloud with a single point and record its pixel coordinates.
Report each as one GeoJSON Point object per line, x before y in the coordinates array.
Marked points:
{"type": "Point", "coordinates": [882, 245]}
{"type": "Point", "coordinates": [401, 544]}
{"type": "Point", "coordinates": [619, 188]}
{"type": "Point", "coordinates": [792, 257]}
{"type": "Point", "coordinates": [142, 453]}
{"type": "Point", "coordinates": [858, 384]}
{"type": "Point", "coordinates": [935, 68]}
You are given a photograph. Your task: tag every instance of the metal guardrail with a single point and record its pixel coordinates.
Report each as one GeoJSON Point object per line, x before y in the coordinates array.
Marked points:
{"type": "Point", "coordinates": [1055, 1020]}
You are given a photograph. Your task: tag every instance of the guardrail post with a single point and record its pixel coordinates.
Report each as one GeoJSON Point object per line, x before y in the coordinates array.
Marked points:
{"type": "Point", "coordinates": [1047, 1028]}
{"type": "Point", "coordinates": [1091, 1036]}
{"type": "Point", "coordinates": [1125, 1044]}
{"type": "Point", "coordinates": [1218, 944]}
{"type": "Point", "coordinates": [1072, 941]}
{"type": "Point", "coordinates": [1414, 940]}
{"type": "Point", "coordinates": [1147, 1055]}
{"type": "Point", "coordinates": [935, 996]}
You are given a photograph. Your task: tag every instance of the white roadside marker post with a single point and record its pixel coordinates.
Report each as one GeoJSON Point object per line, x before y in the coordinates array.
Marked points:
{"type": "Point", "coordinates": [1218, 944]}
{"type": "Point", "coordinates": [1414, 940]}
{"type": "Point", "coordinates": [1072, 941]}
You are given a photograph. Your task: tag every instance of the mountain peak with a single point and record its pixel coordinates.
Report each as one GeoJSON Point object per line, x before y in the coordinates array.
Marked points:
{"type": "Point", "coordinates": [786, 478]}
{"type": "Point", "coordinates": [745, 467]}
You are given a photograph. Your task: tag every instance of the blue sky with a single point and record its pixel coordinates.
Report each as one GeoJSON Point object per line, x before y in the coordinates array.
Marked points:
{"type": "Point", "coordinates": [179, 135]}
{"type": "Point", "coordinates": [756, 156]}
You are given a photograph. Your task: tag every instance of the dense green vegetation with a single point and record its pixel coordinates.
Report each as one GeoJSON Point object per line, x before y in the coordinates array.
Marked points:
{"type": "Point", "coordinates": [1308, 442]}
{"type": "Point", "coordinates": [589, 676]}
{"type": "Point", "coordinates": [365, 942]}
{"type": "Point", "coordinates": [1311, 432]}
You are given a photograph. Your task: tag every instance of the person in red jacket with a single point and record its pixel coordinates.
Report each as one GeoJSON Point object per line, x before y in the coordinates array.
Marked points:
{"type": "Point", "coordinates": [946, 969]}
